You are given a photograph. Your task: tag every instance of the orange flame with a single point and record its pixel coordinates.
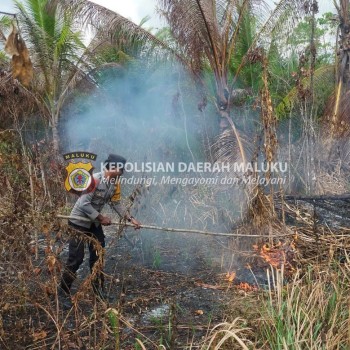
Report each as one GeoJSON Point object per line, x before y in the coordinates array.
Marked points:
{"type": "Point", "coordinates": [230, 276]}
{"type": "Point", "coordinates": [247, 287]}
{"type": "Point", "coordinates": [275, 257]}
{"type": "Point", "coordinates": [278, 255]}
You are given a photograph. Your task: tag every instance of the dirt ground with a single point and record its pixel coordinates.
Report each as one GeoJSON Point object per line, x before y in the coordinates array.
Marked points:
{"type": "Point", "coordinates": [171, 289]}
{"type": "Point", "coordinates": [157, 280]}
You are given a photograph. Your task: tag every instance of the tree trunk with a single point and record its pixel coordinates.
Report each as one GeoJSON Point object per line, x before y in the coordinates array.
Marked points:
{"type": "Point", "coordinates": [55, 138]}
{"type": "Point", "coordinates": [343, 83]}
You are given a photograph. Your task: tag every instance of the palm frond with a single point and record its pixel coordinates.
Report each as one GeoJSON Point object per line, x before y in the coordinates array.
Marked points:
{"type": "Point", "coordinates": [284, 16]}
{"type": "Point", "coordinates": [144, 20]}
{"type": "Point", "coordinates": [5, 24]}
{"type": "Point", "coordinates": [33, 31]}
{"type": "Point", "coordinates": [324, 78]}
{"type": "Point", "coordinates": [197, 26]}
{"type": "Point", "coordinates": [226, 148]}
{"type": "Point", "coordinates": [112, 26]}
{"type": "Point", "coordinates": [48, 28]}
{"type": "Point", "coordinates": [243, 41]}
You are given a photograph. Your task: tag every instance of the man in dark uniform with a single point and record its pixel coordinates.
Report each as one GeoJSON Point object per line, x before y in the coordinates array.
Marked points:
{"type": "Point", "coordinates": [106, 189]}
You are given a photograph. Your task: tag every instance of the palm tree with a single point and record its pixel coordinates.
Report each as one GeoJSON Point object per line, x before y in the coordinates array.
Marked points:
{"type": "Point", "coordinates": [55, 49]}
{"type": "Point", "coordinates": [208, 34]}
{"type": "Point", "coordinates": [61, 60]}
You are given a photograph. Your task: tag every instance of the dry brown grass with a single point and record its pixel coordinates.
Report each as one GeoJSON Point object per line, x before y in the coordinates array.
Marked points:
{"type": "Point", "coordinates": [230, 335]}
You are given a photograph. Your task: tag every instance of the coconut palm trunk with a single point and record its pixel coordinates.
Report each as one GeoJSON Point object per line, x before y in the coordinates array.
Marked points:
{"type": "Point", "coordinates": [343, 66]}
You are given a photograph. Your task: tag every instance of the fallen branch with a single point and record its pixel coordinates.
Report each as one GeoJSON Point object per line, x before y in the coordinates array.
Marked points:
{"type": "Point", "coordinates": [168, 229]}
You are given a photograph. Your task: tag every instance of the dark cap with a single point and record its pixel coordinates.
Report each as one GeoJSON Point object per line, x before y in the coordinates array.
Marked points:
{"type": "Point", "coordinates": [117, 160]}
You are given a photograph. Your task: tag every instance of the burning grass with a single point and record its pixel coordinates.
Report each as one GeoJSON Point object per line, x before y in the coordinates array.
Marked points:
{"type": "Point", "coordinates": [279, 255]}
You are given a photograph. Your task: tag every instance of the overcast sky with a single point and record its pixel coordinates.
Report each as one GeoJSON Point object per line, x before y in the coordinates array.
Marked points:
{"type": "Point", "coordinates": [138, 9]}
{"type": "Point", "coordinates": [132, 9]}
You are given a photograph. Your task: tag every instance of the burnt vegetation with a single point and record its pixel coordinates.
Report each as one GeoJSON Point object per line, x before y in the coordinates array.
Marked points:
{"type": "Point", "coordinates": [224, 81]}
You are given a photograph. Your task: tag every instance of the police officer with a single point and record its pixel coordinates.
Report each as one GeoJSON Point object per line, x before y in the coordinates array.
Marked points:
{"type": "Point", "coordinates": [105, 189]}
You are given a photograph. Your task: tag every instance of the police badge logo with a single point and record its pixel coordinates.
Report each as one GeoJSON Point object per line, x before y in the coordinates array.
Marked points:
{"type": "Point", "coordinates": [79, 178]}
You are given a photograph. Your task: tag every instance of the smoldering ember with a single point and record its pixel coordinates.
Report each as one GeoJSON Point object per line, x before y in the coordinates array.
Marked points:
{"type": "Point", "coordinates": [201, 167]}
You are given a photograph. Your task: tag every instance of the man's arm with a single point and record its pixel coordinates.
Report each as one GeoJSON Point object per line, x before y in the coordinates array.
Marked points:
{"type": "Point", "coordinates": [124, 213]}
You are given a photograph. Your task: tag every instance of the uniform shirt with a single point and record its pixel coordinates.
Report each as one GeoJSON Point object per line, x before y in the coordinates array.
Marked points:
{"type": "Point", "coordinates": [90, 205]}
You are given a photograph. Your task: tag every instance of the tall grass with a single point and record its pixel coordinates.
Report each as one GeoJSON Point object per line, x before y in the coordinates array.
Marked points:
{"type": "Point", "coordinates": [310, 312]}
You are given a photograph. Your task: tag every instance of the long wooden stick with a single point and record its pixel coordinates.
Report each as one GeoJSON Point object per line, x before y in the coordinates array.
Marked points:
{"type": "Point", "coordinates": [168, 229]}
